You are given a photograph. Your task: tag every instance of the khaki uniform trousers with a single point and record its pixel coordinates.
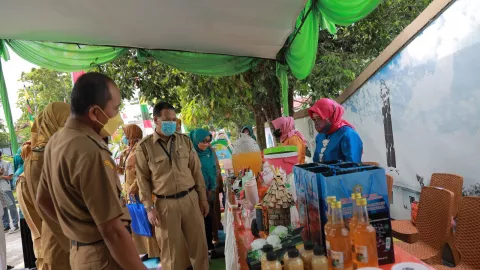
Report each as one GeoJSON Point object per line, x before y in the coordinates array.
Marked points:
{"type": "Point", "coordinates": [146, 245]}
{"type": "Point", "coordinates": [33, 220]}
{"type": "Point", "coordinates": [55, 250]}
{"type": "Point", "coordinates": [181, 222]}
{"type": "Point", "coordinates": [92, 257]}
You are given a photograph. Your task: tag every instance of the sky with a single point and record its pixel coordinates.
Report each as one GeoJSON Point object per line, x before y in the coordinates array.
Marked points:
{"type": "Point", "coordinates": [12, 71]}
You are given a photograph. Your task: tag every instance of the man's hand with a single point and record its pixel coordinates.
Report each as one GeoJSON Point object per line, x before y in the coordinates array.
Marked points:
{"type": "Point", "coordinates": [152, 218]}
{"type": "Point", "coordinates": [204, 208]}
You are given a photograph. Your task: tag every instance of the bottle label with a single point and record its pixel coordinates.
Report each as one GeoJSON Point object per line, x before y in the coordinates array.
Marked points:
{"type": "Point", "coordinates": [327, 243]}
{"type": "Point", "coordinates": [337, 259]}
{"type": "Point", "coordinates": [362, 254]}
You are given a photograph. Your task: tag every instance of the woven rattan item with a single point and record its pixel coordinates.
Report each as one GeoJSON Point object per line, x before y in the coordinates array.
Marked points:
{"type": "Point", "coordinates": [405, 231]}
{"type": "Point", "coordinates": [451, 182]}
{"type": "Point", "coordinates": [467, 236]}
{"type": "Point", "coordinates": [371, 163]}
{"type": "Point", "coordinates": [433, 224]}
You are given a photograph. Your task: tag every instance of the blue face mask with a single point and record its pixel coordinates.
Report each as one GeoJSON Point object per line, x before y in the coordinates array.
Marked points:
{"type": "Point", "coordinates": [125, 140]}
{"type": "Point", "coordinates": [169, 127]}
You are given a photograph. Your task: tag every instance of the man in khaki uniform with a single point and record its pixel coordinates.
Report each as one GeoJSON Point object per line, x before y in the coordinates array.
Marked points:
{"type": "Point", "coordinates": [79, 187]}
{"type": "Point", "coordinates": [168, 166]}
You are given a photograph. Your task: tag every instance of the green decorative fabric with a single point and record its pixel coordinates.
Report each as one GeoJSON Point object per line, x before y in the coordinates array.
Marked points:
{"type": "Point", "coordinates": [326, 14]}
{"type": "Point", "coordinates": [5, 101]}
{"type": "Point", "coordinates": [64, 57]}
{"type": "Point", "coordinates": [204, 64]}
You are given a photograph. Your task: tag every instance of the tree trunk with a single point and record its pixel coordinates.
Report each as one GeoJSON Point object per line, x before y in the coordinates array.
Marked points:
{"type": "Point", "coordinates": [290, 99]}
{"type": "Point", "coordinates": [260, 125]}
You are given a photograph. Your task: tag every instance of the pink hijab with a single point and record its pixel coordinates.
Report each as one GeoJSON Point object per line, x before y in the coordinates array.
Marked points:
{"type": "Point", "coordinates": [330, 109]}
{"type": "Point", "coordinates": [287, 127]}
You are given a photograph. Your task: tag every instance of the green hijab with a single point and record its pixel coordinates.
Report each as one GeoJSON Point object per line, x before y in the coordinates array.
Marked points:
{"type": "Point", "coordinates": [207, 158]}
{"type": "Point", "coordinates": [250, 132]}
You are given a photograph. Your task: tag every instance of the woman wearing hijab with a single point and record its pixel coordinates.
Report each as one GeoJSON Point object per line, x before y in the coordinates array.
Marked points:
{"type": "Point", "coordinates": [249, 131]}
{"type": "Point", "coordinates": [132, 135]}
{"type": "Point", "coordinates": [337, 138]}
{"type": "Point", "coordinates": [55, 246]}
{"type": "Point", "coordinates": [201, 139]}
{"type": "Point", "coordinates": [285, 130]}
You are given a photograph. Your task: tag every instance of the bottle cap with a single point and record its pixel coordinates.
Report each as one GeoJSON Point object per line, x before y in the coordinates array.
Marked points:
{"type": "Point", "coordinates": [308, 245]}
{"type": "Point", "coordinates": [293, 253]}
{"type": "Point", "coordinates": [318, 250]}
{"type": "Point", "coordinates": [362, 202]}
{"type": "Point", "coordinates": [337, 205]}
{"type": "Point", "coordinates": [267, 248]}
{"type": "Point", "coordinates": [331, 199]}
{"type": "Point", "coordinates": [271, 257]}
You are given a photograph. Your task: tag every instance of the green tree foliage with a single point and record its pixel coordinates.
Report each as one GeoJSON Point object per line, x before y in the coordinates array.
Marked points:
{"type": "Point", "coordinates": [342, 57]}
{"type": "Point", "coordinates": [41, 87]}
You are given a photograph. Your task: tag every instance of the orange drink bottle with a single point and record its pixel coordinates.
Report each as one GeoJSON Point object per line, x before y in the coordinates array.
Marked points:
{"type": "Point", "coordinates": [353, 222]}
{"type": "Point", "coordinates": [328, 225]}
{"type": "Point", "coordinates": [365, 238]}
{"type": "Point", "coordinates": [339, 240]}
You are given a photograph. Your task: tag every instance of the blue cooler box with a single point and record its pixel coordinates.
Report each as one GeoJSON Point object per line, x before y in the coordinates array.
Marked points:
{"type": "Point", "coordinates": [318, 181]}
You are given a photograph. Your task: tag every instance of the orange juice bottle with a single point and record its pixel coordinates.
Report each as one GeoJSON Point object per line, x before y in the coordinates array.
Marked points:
{"type": "Point", "coordinates": [353, 222]}
{"type": "Point", "coordinates": [339, 240]}
{"type": "Point", "coordinates": [328, 225]}
{"type": "Point", "coordinates": [365, 238]}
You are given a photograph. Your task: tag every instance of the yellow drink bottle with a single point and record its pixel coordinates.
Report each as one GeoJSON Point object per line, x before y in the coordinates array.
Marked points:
{"type": "Point", "coordinates": [365, 238]}
{"type": "Point", "coordinates": [328, 225]}
{"type": "Point", "coordinates": [339, 240]}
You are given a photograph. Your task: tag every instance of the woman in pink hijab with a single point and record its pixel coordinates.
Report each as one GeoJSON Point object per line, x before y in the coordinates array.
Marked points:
{"type": "Point", "coordinates": [337, 139]}
{"type": "Point", "coordinates": [285, 130]}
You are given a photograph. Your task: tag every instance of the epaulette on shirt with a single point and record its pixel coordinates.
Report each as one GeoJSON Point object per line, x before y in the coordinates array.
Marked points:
{"type": "Point", "coordinates": [100, 144]}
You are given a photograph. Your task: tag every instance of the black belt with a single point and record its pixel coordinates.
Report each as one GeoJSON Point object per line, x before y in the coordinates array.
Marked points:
{"type": "Point", "coordinates": [176, 196]}
{"type": "Point", "coordinates": [80, 244]}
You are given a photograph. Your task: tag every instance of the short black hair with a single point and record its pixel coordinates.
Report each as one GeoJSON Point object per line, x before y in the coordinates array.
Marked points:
{"type": "Point", "coordinates": [90, 89]}
{"type": "Point", "coordinates": [160, 106]}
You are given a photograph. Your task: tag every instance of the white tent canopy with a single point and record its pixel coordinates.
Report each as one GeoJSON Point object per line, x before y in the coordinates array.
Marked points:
{"type": "Point", "coordinates": [255, 28]}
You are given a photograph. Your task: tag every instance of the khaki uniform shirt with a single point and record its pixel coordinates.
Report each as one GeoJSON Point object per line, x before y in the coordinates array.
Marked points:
{"type": "Point", "coordinates": [80, 176]}
{"type": "Point", "coordinates": [159, 174]}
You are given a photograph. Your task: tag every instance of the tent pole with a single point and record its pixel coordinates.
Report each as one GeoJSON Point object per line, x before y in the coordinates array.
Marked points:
{"type": "Point", "coordinates": [7, 112]}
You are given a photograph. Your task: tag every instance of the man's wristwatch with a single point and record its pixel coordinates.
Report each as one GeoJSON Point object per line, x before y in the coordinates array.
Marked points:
{"type": "Point", "coordinates": [149, 208]}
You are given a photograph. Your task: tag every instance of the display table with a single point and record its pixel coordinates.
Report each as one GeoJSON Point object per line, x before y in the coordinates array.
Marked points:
{"type": "Point", "coordinates": [238, 239]}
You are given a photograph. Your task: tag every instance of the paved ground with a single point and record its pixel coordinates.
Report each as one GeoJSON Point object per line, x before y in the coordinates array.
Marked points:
{"type": "Point", "coordinates": [14, 249]}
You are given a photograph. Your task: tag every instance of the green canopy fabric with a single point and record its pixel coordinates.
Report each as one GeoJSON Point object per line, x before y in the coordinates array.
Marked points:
{"type": "Point", "coordinates": [204, 64]}
{"type": "Point", "coordinates": [5, 102]}
{"type": "Point", "coordinates": [299, 55]}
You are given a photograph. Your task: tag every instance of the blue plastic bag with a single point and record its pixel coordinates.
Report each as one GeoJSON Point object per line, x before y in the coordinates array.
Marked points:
{"type": "Point", "coordinates": [140, 224]}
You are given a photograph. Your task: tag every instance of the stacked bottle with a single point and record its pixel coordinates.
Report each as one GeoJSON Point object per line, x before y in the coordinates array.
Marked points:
{"type": "Point", "coordinates": [285, 256]}
{"type": "Point", "coordinates": [319, 261]}
{"type": "Point", "coordinates": [353, 223]}
{"type": "Point", "coordinates": [365, 238]}
{"type": "Point", "coordinates": [265, 250]}
{"type": "Point", "coordinates": [295, 262]}
{"type": "Point", "coordinates": [328, 225]}
{"type": "Point", "coordinates": [307, 254]}
{"type": "Point", "coordinates": [272, 263]}
{"type": "Point", "coordinates": [338, 239]}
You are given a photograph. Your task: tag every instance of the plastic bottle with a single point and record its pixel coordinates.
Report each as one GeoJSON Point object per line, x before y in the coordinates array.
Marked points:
{"type": "Point", "coordinates": [319, 261]}
{"type": "Point", "coordinates": [365, 238]}
{"type": "Point", "coordinates": [328, 225]}
{"type": "Point", "coordinates": [353, 222]}
{"type": "Point", "coordinates": [272, 263]}
{"type": "Point", "coordinates": [295, 262]}
{"type": "Point", "coordinates": [307, 254]}
{"type": "Point", "coordinates": [339, 240]}
{"type": "Point", "coordinates": [288, 247]}
{"type": "Point", "coordinates": [265, 250]}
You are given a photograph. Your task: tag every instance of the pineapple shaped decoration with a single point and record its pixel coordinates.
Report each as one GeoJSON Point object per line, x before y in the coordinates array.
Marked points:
{"type": "Point", "coordinates": [278, 201]}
